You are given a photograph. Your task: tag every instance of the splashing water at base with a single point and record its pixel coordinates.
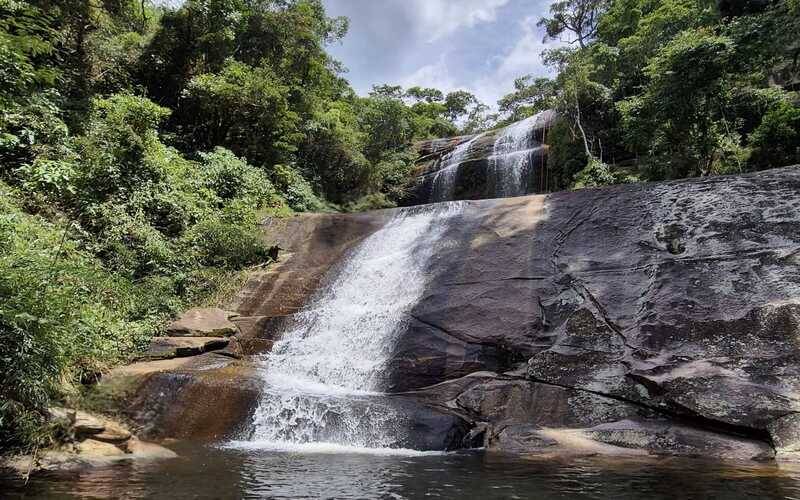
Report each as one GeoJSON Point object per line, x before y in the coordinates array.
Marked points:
{"type": "Point", "coordinates": [323, 378]}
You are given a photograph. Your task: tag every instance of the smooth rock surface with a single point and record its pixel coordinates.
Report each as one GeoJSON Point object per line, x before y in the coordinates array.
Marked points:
{"type": "Point", "coordinates": [204, 322]}
{"type": "Point", "coordinates": [673, 305]}
{"type": "Point", "coordinates": [206, 397]}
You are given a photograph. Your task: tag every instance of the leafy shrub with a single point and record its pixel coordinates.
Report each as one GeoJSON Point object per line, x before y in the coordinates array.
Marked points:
{"type": "Point", "coordinates": [130, 245]}
{"type": "Point", "coordinates": [372, 201]}
{"type": "Point", "coordinates": [218, 243]}
{"type": "Point", "coordinates": [230, 177]}
{"type": "Point", "coordinates": [62, 315]}
{"type": "Point", "coordinates": [595, 174]}
{"type": "Point", "coordinates": [121, 146]}
{"type": "Point", "coordinates": [296, 190]}
{"type": "Point", "coordinates": [776, 141]}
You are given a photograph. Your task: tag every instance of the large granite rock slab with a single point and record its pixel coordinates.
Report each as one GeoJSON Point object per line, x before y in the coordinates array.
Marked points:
{"type": "Point", "coordinates": [204, 322]}
{"type": "Point", "coordinates": [646, 319]}
{"type": "Point", "coordinates": [667, 310]}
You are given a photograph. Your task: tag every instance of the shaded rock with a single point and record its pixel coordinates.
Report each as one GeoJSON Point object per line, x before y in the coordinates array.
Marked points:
{"type": "Point", "coordinates": [671, 305]}
{"type": "Point", "coordinates": [178, 347]}
{"type": "Point", "coordinates": [89, 453]}
{"type": "Point", "coordinates": [785, 433]}
{"type": "Point", "coordinates": [663, 437]}
{"type": "Point", "coordinates": [98, 449]}
{"type": "Point", "coordinates": [203, 322]}
{"type": "Point", "coordinates": [61, 416]}
{"type": "Point", "coordinates": [113, 433]}
{"type": "Point", "coordinates": [142, 450]}
{"type": "Point", "coordinates": [86, 424]}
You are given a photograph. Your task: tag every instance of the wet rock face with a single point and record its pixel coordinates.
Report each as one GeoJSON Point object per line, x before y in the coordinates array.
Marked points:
{"type": "Point", "coordinates": [475, 175]}
{"type": "Point", "coordinates": [659, 318]}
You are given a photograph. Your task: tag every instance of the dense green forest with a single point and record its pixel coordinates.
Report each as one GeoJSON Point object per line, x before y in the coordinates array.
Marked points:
{"type": "Point", "coordinates": [140, 145]}
{"type": "Point", "coordinates": [665, 89]}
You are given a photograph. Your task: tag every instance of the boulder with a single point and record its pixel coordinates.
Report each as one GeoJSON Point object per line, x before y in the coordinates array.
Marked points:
{"type": "Point", "coordinates": [86, 424]}
{"type": "Point", "coordinates": [113, 433]}
{"type": "Point", "coordinates": [98, 449]}
{"type": "Point", "coordinates": [205, 397]}
{"type": "Point", "coordinates": [203, 322]}
{"type": "Point", "coordinates": [645, 319]}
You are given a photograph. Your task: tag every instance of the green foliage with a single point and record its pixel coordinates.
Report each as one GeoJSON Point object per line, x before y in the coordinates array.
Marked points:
{"type": "Point", "coordinates": [595, 174]}
{"type": "Point", "coordinates": [373, 201]}
{"type": "Point", "coordinates": [221, 243]}
{"type": "Point", "coordinates": [776, 140]}
{"type": "Point", "coordinates": [120, 147]}
{"type": "Point", "coordinates": [244, 108]}
{"type": "Point", "coordinates": [296, 190]}
{"type": "Point", "coordinates": [530, 96]}
{"type": "Point", "coordinates": [676, 117]}
{"type": "Point", "coordinates": [565, 156]}
{"type": "Point", "coordinates": [232, 178]}
{"type": "Point", "coordinates": [63, 316]}
{"type": "Point", "coordinates": [671, 88]}
{"type": "Point", "coordinates": [580, 17]}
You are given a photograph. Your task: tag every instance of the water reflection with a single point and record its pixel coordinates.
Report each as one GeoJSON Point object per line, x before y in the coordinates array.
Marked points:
{"type": "Point", "coordinates": [225, 473]}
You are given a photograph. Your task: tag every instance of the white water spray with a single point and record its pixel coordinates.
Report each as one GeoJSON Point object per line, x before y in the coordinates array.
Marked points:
{"type": "Point", "coordinates": [323, 378]}
{"type": "Point", "coordinates": [514, 154]}
{"type": "Point", "coordinates": [444, 181]}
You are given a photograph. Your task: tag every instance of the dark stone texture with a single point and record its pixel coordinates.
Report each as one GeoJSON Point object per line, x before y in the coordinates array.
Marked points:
{"type": "Point", "coordinates": [673, 305]}
{"type": "Point", "coordinates": [639, 319]}
{"type": "Point", "coordinates": [474, 179]}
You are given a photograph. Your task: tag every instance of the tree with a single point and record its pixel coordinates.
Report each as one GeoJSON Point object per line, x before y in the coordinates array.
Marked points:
{"type": "Point", "coordinates": [579, 17]}
{"type": "Point", "coordinates": [428, 95]}
{"type": "Point", "coordinates": [387, 91]}
{"type": "Point", "coordinates": [679, 118]}
{"type": "Point", "coordinates": [530, 96]}
{"type": "Point", "coordinates": [458, 103]}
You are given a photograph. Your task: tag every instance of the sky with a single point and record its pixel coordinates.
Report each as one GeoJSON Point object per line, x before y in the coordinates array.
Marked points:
{"type": "Point", "coordinates": [475, 45]}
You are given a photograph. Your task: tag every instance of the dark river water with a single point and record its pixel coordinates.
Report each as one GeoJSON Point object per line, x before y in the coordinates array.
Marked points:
{"type": "Point", "coordinates": [230, 473]}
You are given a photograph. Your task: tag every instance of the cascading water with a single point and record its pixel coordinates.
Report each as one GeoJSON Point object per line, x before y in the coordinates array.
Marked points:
{"type": "Point", "coordinates": [444, 181]}
{"type": "Point", "coordinates": [323, 378]}
{"type": "Point", "coordinates": [514, 154]}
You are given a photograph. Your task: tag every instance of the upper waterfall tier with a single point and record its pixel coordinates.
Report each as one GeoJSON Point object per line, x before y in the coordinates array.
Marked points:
{"type": "Point", "coordinates": [495, 164]}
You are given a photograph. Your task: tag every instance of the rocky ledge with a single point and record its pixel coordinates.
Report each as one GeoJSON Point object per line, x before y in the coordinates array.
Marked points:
{"type": "Point", "coordinates": [638, 319]}
{"type": "Point", "coordinates": [89, 440]}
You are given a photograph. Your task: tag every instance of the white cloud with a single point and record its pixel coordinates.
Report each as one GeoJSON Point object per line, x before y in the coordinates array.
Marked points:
{"type": "Point", "coordinates": [439, 18]}
{"type": "Point", "coordinates": [522, 59]}
{"type": "Point", "coordinates": [436, 75]}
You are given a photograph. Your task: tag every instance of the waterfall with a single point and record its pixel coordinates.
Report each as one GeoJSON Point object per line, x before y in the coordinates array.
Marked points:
{"type": "Point", "coordinates": [444, 181]}
{"type": "Point", "coordinates": [510, 168]}
{"type": "Point", "coordinates": [323, 379]}
{"type": "Point", "coordinates": [513, 156]}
